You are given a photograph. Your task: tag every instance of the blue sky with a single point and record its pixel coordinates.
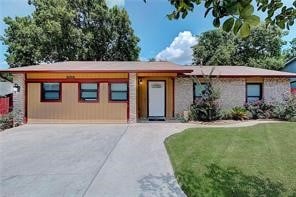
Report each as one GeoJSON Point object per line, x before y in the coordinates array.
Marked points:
{"type": "Point", "coordinates": [160, 37]}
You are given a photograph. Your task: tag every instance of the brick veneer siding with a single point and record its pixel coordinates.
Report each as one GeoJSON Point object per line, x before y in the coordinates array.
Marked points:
{"type": "Point", "coordinates": [19, 99]}
{"type": "Point", "coordinates": [183, 94]}
{"type": "Point", "coordinates": [132, 97]}
{"type": "Point", "coordinates": [274, 89]}
{"type": "Point", "coordinates": [232, 91]}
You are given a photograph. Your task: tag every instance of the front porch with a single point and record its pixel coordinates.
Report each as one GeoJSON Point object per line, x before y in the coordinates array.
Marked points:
{"type": "Point", "coordinates": [155, 96]}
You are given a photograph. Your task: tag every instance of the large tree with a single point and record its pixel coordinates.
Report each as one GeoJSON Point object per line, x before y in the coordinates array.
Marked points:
{"type": "Point", "coordinates": [61, 30]}
{"type": "Point", "coordinates": [214, 48]}
{"type": "Point", "coordinates": [238, 15]}
{"type": "Point", "coordinates": [261, 49]}
{"type": "Point", "coordinates": [290, 52]}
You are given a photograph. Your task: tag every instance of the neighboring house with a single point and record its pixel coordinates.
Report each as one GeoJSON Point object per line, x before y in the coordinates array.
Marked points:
{"type": "Point", "coordinates": [6, 89]}
{"type": "Point", "coordinates": [290, 66]}
{"type": "Point", "coordinates": [120, 92]}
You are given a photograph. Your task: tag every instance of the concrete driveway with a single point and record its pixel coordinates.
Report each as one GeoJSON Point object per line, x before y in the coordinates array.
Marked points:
{"type": "Point", "coordinates": [87, 160]}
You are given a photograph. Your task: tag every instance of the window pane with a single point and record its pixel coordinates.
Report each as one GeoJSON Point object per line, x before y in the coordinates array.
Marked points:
{"type": "Point", "coordinates": [89, 95]}
{"type": "Point", "coordinates": [51, 96]}
{"type": "Point", "coordinates": [119, 96]}
{"type": "Point", "coordinates": [199, 88]}
{"type": "Point", "coordinates": [252, 99]}
{"type": "Point", "coordinates": [51, 86]}
{"type": "Point", "coordinates": [89, 86]}
{"type": "Point", "coordinates": [253, 90]}
{"type": "Point", "coordinates": [119, 87]}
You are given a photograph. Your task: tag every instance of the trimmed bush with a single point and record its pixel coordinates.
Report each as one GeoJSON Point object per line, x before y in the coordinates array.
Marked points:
{"type": "Point", "coordinates": [6, 121]}
{"type": "Point", "coordinates": [226, 115]}
{"type": "Point", "coordinates": [286, 110]}
{"type": "Point", "coordinates": [260, 110]}
{"type": "Point", "coordinates": [239, 113]}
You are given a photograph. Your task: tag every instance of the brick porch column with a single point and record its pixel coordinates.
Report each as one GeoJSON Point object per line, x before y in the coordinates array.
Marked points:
{"type": "Point", "coordinates": [132, 97]}
{"type": "Point", "coordinates": [19, 99]}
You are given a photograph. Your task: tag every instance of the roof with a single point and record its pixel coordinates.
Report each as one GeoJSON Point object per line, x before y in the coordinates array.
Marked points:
{"type": "Point", "coordinates": [237, 71]}
{"type": "Point", "coordinates": [156, 67]}
{"type": "Point", "coordinates": [5, 88]}
{"type": "Point", "coordinates": [103, 66]}
{"type": "Point", "coordinates": [290, 61]}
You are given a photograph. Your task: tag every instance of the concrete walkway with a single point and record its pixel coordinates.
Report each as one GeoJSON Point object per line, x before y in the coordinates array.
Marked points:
{"type": "Point", "coordinates": [139, 165]}
{"type": "Point", "coordinates": [90, 160]}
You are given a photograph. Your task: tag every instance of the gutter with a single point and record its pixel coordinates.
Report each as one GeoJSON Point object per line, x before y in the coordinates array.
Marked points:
{"type": "Point", "coordinates": [95, 71]}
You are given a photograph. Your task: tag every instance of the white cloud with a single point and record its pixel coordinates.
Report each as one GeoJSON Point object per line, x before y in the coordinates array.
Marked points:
{"type": "Point", "coordinates": [179, 51]}
{"type": "Point", "coordinates": [112, 3]}
{"type": "Point", "coordinates": [143, 59]}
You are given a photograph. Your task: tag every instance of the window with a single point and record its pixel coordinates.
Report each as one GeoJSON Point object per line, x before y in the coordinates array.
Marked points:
{"type": "Point", "coordinates": [197, 90]}
{"type": "Point", "coordinates": [118, 92]}
{"type": "Point", "coordinates": [51, 92]}
{"type": "Point", "coordinates": [293, 84]}
{"type": "Point", "coordinates": [293, 87]}
{"type": "Point", "coordinates": [254, 92]}
{"type": "Point", "coordinates": [88, 92]}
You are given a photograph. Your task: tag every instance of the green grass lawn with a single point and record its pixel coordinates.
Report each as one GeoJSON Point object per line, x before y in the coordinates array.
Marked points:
{"type": "Point", "coordinates": [247, 161]}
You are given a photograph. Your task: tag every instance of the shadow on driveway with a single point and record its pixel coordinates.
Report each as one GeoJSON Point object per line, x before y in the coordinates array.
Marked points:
{"type": "Point", "coordinates": [158, 186]}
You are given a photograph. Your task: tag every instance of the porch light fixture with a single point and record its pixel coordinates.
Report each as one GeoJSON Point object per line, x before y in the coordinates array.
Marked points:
{"type": "Point", "coordinates": [16, 88]}
{"type": "Point", "coordinates": [140, 81]}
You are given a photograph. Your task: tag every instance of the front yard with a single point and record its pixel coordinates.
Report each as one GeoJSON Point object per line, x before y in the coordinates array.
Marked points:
{"type": "Point", "coordinates": [247, 161]}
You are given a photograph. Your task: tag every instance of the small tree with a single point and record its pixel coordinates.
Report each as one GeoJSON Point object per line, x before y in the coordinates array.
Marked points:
{"type": "Point", "coordinates": [207, 107]}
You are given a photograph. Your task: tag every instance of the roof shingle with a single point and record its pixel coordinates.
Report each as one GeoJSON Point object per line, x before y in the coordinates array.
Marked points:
{"type": "Point", "coordinates": [237, 71]}
{"type": "Point", "coordinates": [156, 67]}
{"type": "Point", "coordinates": [104, 66]}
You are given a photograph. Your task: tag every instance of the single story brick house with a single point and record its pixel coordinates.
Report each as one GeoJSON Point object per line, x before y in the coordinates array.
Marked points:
{"type": "Point", "coordinates": [121, 92]}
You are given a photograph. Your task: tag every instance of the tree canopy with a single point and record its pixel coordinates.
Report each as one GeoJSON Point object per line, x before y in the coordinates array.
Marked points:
{"type": "Point", "coordinates": [290, 52]}
{"type": "Point", "coordinates": [263, 48]}
{"type": "Point", "coordinates": [238, 15]}
{"type": "Point", "coordinates": [68, 30]}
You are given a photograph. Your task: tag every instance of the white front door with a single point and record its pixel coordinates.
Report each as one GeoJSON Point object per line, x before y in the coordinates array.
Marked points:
{"type": "Point", "coordinates": [156, 98]}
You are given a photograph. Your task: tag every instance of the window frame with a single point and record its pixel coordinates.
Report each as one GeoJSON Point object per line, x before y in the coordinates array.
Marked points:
{"type": "Point", "coordinates": [194, 88]}
{"type": "Point", "coordinates": [260, 92]}
{"type": "Point", "coordinates": [43, 91]}
{"type": "Point", "coordinates": [80, 93]}
{"type": "Point", "coordinates": [292, 84]}
{"type": "Point", "coordinates": [116, 100]}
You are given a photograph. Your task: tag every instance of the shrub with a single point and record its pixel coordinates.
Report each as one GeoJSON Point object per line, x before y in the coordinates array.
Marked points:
{"type": "Point", "coordinates": [180, 117]}
{"type": "Point", "coordinates": [207, 107]}
{"type": "Point", "coordinates": [239, 113]}
{"type": "Point", "coordinates": [6, 121]}
{"type": "Point", "coordinates": [260, 110]}
{"type": "Point", "coordinates": [205, 110]}
{"type": "Point", "coordinates": [286, 110]}
{"type": "Point", "coordinates": [226, 114]}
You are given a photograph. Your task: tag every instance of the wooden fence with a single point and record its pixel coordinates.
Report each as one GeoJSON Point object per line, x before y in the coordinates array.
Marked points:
{"type": "Point", "coordinates": [5, 105]}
